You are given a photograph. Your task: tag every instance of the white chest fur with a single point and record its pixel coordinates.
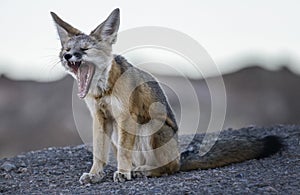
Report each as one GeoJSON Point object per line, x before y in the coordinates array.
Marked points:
{"type": "Point", "coordinates": [111, 106]}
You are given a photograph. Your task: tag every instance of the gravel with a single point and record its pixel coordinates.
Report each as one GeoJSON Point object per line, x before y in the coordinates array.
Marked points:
{"type": "Point", "coordinates": [57, 171]}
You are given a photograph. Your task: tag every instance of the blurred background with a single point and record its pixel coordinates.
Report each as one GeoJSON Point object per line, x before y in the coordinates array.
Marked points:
{"type": "Point", "coordinates": [254, 44]}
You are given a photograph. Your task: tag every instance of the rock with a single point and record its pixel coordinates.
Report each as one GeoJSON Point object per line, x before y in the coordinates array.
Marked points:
{"type": "Point", "coordinates": [240, 175]}
{"type": "Point", "coordinates": [7, 166]}
{"type": "Point", "coordinates": [22, 170]}
{"type": "Point", "coordinates": [7, 176]}
{"type": "Point", "coordinates": [79, 147]}
{"type": "Point", "coordinates": [270, 189]}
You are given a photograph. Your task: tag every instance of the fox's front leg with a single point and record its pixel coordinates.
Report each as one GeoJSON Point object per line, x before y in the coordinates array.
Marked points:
{"type": "Point", "coordinates": [126, 140]}
{"type": "Point", "coordinates": [101, 143]}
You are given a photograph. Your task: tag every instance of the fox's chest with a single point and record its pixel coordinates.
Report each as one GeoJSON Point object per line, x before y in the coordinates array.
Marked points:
{"type": "Point", "coordinates": [109, 105]}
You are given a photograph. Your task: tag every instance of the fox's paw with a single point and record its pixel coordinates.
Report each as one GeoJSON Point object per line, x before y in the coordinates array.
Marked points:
{"type": "Point", "coordinates": [87, 178]}
{"type": "Point", "coordinates": [141, 171]}
{"type": "Point", "coordinates": [138, 174]}
{"type": "Point", "coordinates": [122, 177]}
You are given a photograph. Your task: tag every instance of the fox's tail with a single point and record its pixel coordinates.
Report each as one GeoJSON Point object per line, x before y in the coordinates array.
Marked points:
{"type": "Point", "coordinates": [225, 152]}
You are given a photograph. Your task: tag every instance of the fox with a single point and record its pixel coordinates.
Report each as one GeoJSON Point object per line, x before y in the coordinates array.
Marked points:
{"type": "Point", "coordinates": [131, 113]}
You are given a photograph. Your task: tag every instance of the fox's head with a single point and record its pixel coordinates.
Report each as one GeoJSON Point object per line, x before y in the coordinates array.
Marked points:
{"type": "Point", "coordinates": [86, 57]}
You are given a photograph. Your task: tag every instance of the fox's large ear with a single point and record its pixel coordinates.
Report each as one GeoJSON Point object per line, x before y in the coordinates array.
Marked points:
{"type": "Point", "coordinates": [107, 30]}
{"type": "Point", "coordinates": [65, 30]}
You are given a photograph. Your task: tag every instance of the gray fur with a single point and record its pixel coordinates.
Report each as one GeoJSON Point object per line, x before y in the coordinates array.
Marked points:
{"type": "Point", "coordinates": [152, 83]}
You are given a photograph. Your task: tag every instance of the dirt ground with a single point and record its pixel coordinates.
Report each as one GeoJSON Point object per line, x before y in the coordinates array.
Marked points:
{"type": "Point", "coordinates": [57, 171]}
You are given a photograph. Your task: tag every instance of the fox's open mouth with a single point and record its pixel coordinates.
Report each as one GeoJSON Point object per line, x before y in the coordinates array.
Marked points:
{"type": "Point", "coordinates": [74, 66]}
{"type": "Point", "coordinates": [84, 72]}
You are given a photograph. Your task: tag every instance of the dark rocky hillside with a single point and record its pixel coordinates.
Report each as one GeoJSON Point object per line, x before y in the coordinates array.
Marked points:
{"type": "Point", "coordinates": [57, 170]}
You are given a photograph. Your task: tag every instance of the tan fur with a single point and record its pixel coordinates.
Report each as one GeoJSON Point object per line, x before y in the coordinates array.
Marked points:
{"type": "Point", "coordinates": [138, 106]}
{"type": "Point", "coordinates": [131, 113]}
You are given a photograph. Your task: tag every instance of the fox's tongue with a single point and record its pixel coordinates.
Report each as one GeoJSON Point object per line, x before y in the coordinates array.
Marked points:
{"type": "Point", "coordinates": [84, 77]}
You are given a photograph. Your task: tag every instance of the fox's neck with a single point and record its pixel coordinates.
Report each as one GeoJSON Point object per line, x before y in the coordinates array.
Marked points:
{"type": "Point", "coordinates": [105, 78]}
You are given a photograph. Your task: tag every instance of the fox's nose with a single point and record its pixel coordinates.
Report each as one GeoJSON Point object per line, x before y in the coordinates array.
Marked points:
{"type": "Point", "coordinates": [77, 55]}
{"type": "Point", "coordinates": [67, 56]}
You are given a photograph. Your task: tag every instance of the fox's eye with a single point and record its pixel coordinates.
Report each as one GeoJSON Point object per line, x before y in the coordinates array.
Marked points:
{"type": "Point", "coordinates": [68, 49]}
{"type": "Point", "coordinates": [84, 49]}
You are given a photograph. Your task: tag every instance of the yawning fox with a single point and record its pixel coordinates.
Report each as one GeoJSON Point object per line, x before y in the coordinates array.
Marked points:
{"type": "Point", "coordinates": [131, 113]}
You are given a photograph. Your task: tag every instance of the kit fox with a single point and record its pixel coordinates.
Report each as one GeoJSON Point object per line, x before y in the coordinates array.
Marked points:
{"type": "Point", "coordinates": [127, 114]}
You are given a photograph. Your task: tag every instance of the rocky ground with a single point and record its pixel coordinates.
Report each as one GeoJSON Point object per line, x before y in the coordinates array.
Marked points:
{"type": "Point", "coordinates": [57, 170]}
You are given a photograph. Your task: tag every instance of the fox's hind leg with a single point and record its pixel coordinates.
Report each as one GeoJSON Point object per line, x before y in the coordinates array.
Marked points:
{"type": "Point", "coordinates": [164, 156]}
{"type": "Point", "coordinates": [150, 171]}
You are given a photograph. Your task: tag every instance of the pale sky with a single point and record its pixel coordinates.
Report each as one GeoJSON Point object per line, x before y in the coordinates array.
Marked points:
{"type": "Point", "coordinates": [228, 30]}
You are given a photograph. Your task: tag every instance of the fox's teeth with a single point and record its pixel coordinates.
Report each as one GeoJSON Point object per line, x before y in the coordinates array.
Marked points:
{"type": "Point", "coordinates": [75, 63]}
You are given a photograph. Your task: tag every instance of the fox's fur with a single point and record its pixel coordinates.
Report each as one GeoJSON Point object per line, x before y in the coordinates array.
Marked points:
{"type": "Point", "coordinates": [127, 115]}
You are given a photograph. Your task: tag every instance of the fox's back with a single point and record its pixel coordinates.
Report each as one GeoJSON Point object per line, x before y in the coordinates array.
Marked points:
{"type": "Point", "coordinates": [144, 93]}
